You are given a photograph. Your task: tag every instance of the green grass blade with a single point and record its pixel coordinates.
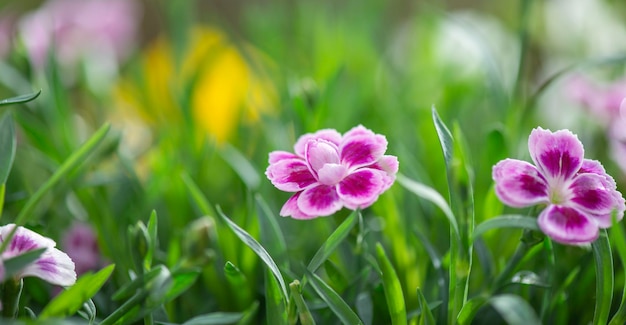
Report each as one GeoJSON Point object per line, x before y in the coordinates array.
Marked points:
{"type": "Point", "coordinates": [258, 249]}
{"type": "Point", "coordinates": [271, 235]}
{"type": "Point", "coordinates": [20, 99]}
{"type": "Point", "coordinates": [470, 308]}
{"type": "Point", "coordinates": [7, 146]}
{"type": "Point", "coordinates": [333, 300]}
{"type": "Point", "coordinates": [429, 194]}
{"type": "Point", "coordinates": [218, 318]}
{"type": "Point", "coordinates": [303, 310]}
{"type": "Point", "coordinates": [426, 317]}
{"type": "Point", "coordinates": [242, 166]}
{"type": "Point", "coordinates": [68, 302]}
{"type": "Point", "coordinates": [392, 287]}
{"type": "Point", "coordinates": [506, 221]}
{"type": "Point", "coordinates": [619, 239]}
{"type": "Point", "coordinates": [604, 277]}
{"type": "Point", "coordinates": [72, 161]}
{"type": "Point", "coordinates": [333, 241]}
{"type": "Point", "coordinates": [445, 138]}
{"type": "Point", "coordinates": [514, 310]}
{"type": "Point", "coordinates": [275, 305]}
{"type": "Point", "coordinates": [198, 197]}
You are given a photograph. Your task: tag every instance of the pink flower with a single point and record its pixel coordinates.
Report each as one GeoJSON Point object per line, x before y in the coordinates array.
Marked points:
{"type": "Point", "coordinates": [81, 245]}
{"type": "Point", "coordinates": [579, 194]}
{"type": "Point", "coordinates": [328, 172]}
{"type": "Point", "coordinates": [52, 266]}
{"type": "Point", "coordinates": [602, 101]}
{"type": "Point", "coordinates": [79, 28]}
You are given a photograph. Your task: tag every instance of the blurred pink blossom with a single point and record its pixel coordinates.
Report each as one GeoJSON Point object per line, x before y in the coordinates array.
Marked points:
{"type": "Point", "coordinates": [76, 29]}
{"type": "Point", "coordinates": [81, 244]}
{"type": "Point", "coordinates": [603, 101]}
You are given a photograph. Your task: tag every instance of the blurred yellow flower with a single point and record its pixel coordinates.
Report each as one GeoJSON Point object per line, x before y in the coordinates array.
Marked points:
{"type": "Point", "coordinates": [212, 84]}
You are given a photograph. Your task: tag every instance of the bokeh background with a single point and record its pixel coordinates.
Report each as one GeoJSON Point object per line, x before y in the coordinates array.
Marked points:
{"type": "Point", "coordinates": [204, 90]}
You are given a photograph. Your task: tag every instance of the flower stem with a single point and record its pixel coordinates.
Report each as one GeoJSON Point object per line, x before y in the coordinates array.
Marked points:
{"type": "Point", "coordinates": [11, 292]}
{"type": "Point", "coordinates": [528, 241]}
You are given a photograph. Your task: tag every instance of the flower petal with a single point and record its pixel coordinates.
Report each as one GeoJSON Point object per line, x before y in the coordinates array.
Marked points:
{"type": "Point", "coordinates": [321, 200]}
{"type": "Point", "coordinates": [361, 188]}
{"type": "Point", "coordinates": [23, 240]}
{"type": "Point", "coordinates": [592, 166]}
{"type": "Point", "coordinates": [388, 164]}
{"type": "Point", "coordinates": [53, 266]}
{"type": "Point", "coordinates": [567, 225]}
{"type": "Point", "coordinates": [320, 152]}
{"type": "Point", "coordinates": [276, 156]}
{"type": "Point", "coordinates": [592, 193]}
{"type": "Point", "coordinates": [331, 174]}
{"type": "Point", "coordinates": [290, 209]}
{"type": "Point", "coordinates": [519, 184]}
{"type": "Point", "coordinates": [558, 155]}
{"type": "Point", "coordinates": [362, 149]}
{"type": "Point", "coordinates": [290, 175]}
{"type": "Point", "coordinates": [329, 135]}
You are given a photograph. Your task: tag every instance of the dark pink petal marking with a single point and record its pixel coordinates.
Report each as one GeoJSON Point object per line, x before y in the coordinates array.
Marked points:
{"type": "Point", "coordinates": [320, 152]}
{"type": "Point", "coordinates": [290, 208]}
{"type": "Point", "coordinates": [558, 155]}
{"type": "Point", "coordinates": [591, 194]}
{"type": "Point", "coordinates": [321, 200]}
{"type": "Point", "coordinates": [329, 135]}
{"type": "Point", "coordinates": [362, 150]}
{"type": "Point", "coordinates": [567, 225]}
{"type": "Point", "coordinates": [519, 184]}
{"type": "Point", "coordinates": [361, 187]}
{"type": "Point", "coordinates": [290, 175]}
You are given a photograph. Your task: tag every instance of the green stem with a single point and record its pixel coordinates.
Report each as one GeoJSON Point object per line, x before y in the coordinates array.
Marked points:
{"type": "Point", "coordinates": [527, 242]}
{"type": "Point", "coordinates": [125, 308]}
{"type": "Point", "coordinates": [303, 311]}
{"type": "Point", "coordinates": [75, 159]}
{"type": "Point", "coordinates": [3, 189]}
{"type": "Point", "coordinates": [11, 292]}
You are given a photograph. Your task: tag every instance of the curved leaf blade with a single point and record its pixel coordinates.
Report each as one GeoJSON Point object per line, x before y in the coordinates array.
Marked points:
{"type": "Point", "coordinates": [333, 300]}
{"type": "Point", "coordinates": [257, 248]}
{"type": "Point", "coordinates": [604, 277]}
{"type": "Point", "coordinates": [20, 99]}
{"type": "Point", "coordinates": [392, 288]}
{"type": "Point", "coordinates": [514, 310]}
{"type": "Point", "coordinates": [333, 241]}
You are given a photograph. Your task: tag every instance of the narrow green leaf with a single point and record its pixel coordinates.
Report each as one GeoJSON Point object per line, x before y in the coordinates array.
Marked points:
{"type": "Point", "coordinates": [152, 245]}
{"type": "Point", "coordinates": [198, 197]}
{"type": "Point", "coordinates": [257, 248]}
{"type": "Point", "coordinates": [20, 99]}
{"type": "Point", "coordinates": [469, 310]}
{"type": "Point", "coordinates": [430, 194]}
{"type": "Point", "coordinates": [604, 277]}
{"type": "Point", "coordinates": [248, 314]}
{"type": "Point", "coordinates": [445, 138]}
{"type": "Point", "coordinates": [275, 305]}
{"type": "Point", "coordinates": [303, 310]}
{"type": "Point", "coordinates": [426, 317]}
{"type": "Point", "coordinates": [68, 302]}
{"type": "Point", "coordinates": [272, 237]}
{"type": "Point", "coordinates": [506, 221]}
{"type": "Point", "coordinates": [393, 288]}
{"type": "Point", "coordinates": [15, 264]}
{"type": "Point", "coordinates": [619, 239]}
{"type": "Point", "coordinates": [218, 318]}
{"type": "Point", "coordinates": [242, 166]}
{"type": "Point", "coordinates": [514, 310]}
{"type": "Point", "coordinates": [333, 241]}
{"type": "Point", "coordinates": [181, 281]}
{"type": "Point", "coordinates": [141, 281]}
{"type": "Point", "coordinates": [75, 159]}
{"type": "Point", "coordinates": [333, 300]}
{"type": "Point", "coordinates": [7, 146]}
{"type": "Point", "coordinates": [239, 283]}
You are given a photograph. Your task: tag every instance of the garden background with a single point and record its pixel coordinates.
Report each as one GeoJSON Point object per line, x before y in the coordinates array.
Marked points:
{"type": "Point", "coordinates": [141, 132]}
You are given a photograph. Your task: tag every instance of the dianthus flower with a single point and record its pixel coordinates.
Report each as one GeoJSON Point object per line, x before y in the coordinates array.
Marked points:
{"type": "Point", "coordinates": [580, 196]}
{"type": "Point", "coordinates": [329, 171]}
{"type": "Point", "coordinates": [52, 266]}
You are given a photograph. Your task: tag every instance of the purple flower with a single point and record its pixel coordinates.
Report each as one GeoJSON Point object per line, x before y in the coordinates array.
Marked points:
{"type": "Point", "coordinates": [81, 245]}
{"type": "Point", "coordinates": [52, 266]}
{"type": "Point", "coordinates": [579, 194]}
{"type": "Point", "coordinates": [328, 172]}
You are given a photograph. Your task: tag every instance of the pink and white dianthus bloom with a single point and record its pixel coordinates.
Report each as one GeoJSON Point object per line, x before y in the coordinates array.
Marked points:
{"type": "Point", "coordinates": [579, 195]}
{"type": "Point", "coordinates": [52, 266]}
{"type": "Point", "coordinates": [329, 171]}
